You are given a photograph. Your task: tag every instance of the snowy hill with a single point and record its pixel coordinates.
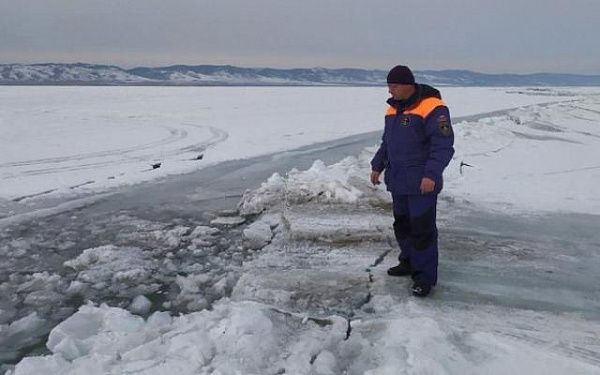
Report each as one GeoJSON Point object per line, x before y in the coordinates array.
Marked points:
{"type": "Point", "coordinates": [65, 74]}
{"type": "Point", "coordinates": [469, 78]}
{"type": "Point", "coordinates": [224, 75]}
{"type": "Point", "coordinates": [213, 74]}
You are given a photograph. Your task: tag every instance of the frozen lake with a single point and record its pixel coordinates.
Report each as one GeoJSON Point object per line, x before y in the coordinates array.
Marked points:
{"type": "Point", "coordinates": [70, 141]}
{"type": "Point", "coordinates": [300, 286]}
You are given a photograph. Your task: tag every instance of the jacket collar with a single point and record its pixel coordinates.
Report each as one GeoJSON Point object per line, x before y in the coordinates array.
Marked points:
{"type": "Point", "coordinates": [421, 92]}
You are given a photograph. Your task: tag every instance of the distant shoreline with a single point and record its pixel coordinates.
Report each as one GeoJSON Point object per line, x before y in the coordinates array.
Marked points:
{"type": "Point", "coordinates": [80, 74]}
{"type": "Point", "coordinates": [182, 85]}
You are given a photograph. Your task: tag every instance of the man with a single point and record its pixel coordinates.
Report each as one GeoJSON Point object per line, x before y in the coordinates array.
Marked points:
{"type": "Point", "coordinates": [417, 145]}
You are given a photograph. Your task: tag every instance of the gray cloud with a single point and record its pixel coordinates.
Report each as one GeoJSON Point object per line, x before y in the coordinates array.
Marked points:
{"type": "Point", "coordinates": [490, 36]}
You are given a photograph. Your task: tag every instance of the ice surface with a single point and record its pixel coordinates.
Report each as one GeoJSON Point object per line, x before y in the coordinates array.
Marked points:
{"type": "Point", "coordinates": [257, 235]}
{"type": "Point", "coordinates": [325, 306]}
{"type": "Point", "coordinates": [128, 272]}
{"type": "Point", "coordinates": [140, 305]}
{"type": "Point", "coordinates": [540, 158]}
{"type": "Point", "coordinates": [203, 231]}
{"type": "Point", "coordinates": [342, 182]}
{"type": "Point", "coordinates": [268, 195]}
{"type": "Point", "coordinates": [231, 338]}
{"type": "Point", "coordinates": [517, 293]}
{"type": "Point", "coordinates": [228, 221]}
{"type": "Point", "coordinates": [20, 333]}
{"type": "Point", "coordinates": [73, 147]}
{"type": "Point", "coordinates": [346, 224]}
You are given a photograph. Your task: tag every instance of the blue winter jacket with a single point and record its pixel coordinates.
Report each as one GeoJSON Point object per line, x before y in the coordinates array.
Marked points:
{"type": "Point", "coordinates": [417, 142]}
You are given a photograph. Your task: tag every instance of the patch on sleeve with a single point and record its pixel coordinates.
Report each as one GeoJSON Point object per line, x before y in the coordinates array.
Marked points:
{"type": "Point", "coordinates": [444, 125]}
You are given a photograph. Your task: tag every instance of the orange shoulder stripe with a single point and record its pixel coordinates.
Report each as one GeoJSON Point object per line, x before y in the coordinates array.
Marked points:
{"type": "Point", "coordinates": [391, 111]}
{"type": "Point", "coordinates": [425, 107]}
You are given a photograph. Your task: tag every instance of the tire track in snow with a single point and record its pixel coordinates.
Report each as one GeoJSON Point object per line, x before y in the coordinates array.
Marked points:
{"type": "Point", "coordinates": [217, 136]}
{"type": "Point", "coordinates": [174, 135]}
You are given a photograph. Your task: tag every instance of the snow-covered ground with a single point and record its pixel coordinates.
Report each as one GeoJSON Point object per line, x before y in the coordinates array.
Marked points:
{"type": "Point", "coordinates": [294, 281]}
{"type": "Point", "coordinates": [57, 141]}
{"type": "Point", "coordinates": [539, 158]}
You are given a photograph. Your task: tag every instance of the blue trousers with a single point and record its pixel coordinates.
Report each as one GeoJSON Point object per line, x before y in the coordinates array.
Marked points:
{"type": "Point", "coordinates": [416, 232]}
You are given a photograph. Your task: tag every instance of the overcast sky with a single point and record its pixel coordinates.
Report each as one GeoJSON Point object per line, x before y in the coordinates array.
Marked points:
{"type": "Point", "coordinates": [520, 36]}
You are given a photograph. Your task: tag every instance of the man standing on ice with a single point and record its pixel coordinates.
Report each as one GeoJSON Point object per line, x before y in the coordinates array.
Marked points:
{"type": "Point", "coordinates": [417, 145]}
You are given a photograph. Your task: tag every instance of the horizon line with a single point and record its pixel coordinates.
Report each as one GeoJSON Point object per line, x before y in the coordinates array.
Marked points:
{"type": "Point", "coordinates": [297, 68]}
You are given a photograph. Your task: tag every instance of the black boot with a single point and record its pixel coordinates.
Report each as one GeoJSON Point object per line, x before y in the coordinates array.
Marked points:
{"type": "Point", "coordinates": [420, 289]}
{"type": "Point", "coordinates": [402, 269]}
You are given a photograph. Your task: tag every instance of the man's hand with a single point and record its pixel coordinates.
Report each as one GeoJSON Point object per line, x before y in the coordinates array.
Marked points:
{"type": "Point", "coordinates": [427, 185]}
{"type": "Point", "coordinates": [375, 177]}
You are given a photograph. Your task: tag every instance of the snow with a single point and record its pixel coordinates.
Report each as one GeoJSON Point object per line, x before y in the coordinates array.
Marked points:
{"type": "Point", "coordinates": [536, 159]}
{"type": "Point", "coordinates": [140, 305]}
{"type": "Point", "coordinates": [21, 332]}
{"type": "Point", "coordinates": [319, 305]}
{"type": "Point", "coordinates": [124, 271]}
{"type": "Point", "coordinates": [203, 231]}
{"type": "Point", "coordinates": [257, 235]}
{"type": "Point", "coordinates": [530, 160]}
{"type": "Point", "coordinates": [312, 295]}
{"type": "Point", "coordinates": [227, 221]}
{"type": "Point", "coordinates": [269, 194]}
{"type": "Point", "coordinates": [65, 141]}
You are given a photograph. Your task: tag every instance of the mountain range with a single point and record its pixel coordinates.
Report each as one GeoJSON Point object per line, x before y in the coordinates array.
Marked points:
{"type": "Point", "coordinates": [227, 75]}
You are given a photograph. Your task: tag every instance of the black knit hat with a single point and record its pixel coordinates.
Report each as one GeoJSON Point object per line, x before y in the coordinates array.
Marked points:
{"type": "Point", "coordinates": [401, 74]}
